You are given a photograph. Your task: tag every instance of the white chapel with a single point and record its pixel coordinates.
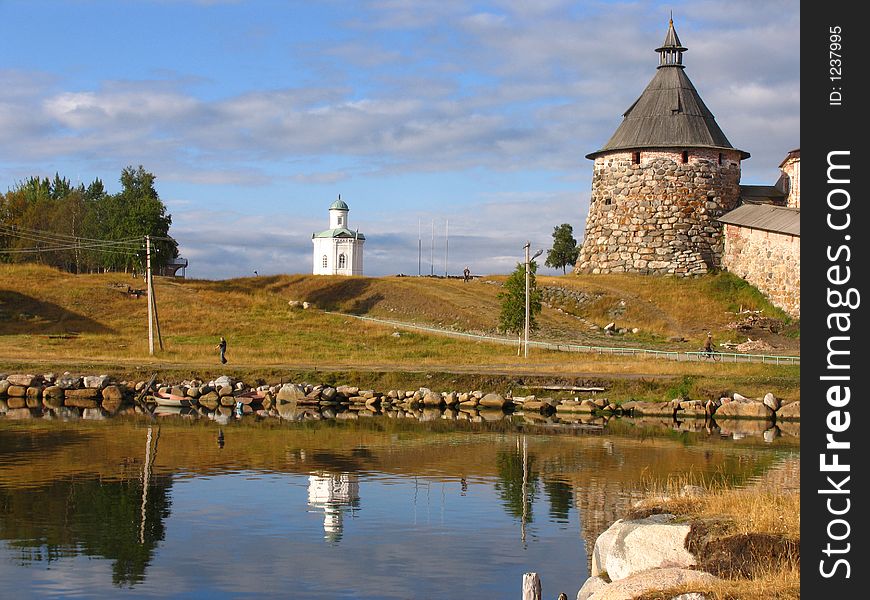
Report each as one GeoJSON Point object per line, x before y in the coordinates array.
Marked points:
{"type": "Point", "coordinates": [338, 250]}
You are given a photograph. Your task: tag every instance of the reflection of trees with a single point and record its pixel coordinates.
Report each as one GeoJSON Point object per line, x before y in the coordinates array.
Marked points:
{"type": "Point", "coordinates": [93, 518]}
{"type": "Point", "coordinates": [561, 499]}
{"type": "Point", "coordinates": [510, 483]}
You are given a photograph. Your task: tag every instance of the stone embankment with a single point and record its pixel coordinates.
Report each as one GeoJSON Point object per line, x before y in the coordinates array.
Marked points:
{"type": "Point", "coordinates": [22, 395]}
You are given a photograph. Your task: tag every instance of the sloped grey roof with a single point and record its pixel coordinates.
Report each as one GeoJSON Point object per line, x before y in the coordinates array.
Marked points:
{"type": "Point", "coordinates": [767, 217]}
{"type": "Point", "coordinates": [669, 113]}
{"type": "Point", "coordinates": [769, 194]}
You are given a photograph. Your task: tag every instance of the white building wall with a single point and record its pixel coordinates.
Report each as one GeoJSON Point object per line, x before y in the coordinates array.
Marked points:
{"type": "Point", "coordinates": [333, 248]}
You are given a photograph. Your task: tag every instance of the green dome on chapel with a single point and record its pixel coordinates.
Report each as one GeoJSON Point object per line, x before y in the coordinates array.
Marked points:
{"type": "Point", "coordinates": [339, 205]}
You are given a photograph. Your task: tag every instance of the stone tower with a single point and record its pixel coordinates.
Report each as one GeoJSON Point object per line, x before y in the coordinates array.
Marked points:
{"type": "Point", "coordinates": [661, 181]}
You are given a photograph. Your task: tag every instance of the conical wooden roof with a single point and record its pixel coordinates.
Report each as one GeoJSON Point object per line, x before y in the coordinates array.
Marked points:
{"type": "Point", "coordinates": [669, 113]}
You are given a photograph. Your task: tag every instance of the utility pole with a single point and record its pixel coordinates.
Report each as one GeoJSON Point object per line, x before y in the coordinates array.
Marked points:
{"type": "Point", "coordinates": [446, 244]}
{"type": "Point", "coordinates": [528, 266]}
{"type": "Point", "coordinates": [419, 247]}
{"type": "Point", "coordinates": [152, 302]}
{"type": "Point", "coordinates": [432, 251]}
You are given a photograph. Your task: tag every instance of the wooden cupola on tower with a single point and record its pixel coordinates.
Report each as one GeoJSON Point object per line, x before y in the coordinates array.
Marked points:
{"type": "Point", "coordinates": [661, 180]}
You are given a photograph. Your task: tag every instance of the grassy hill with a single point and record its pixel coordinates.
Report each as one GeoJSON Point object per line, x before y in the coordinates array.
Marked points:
{"type": "Point", "coordinates": [55, 318]}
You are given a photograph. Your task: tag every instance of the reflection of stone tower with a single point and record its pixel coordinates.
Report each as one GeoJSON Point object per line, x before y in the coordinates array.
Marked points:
{"type": "Point", "coordinates": [333, 493]}
{"type": "Point", "coordinates": [661, 181]}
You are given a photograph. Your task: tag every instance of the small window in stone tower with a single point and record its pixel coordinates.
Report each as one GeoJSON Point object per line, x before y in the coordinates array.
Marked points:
{"type": "Point", "coordinates": [342, 261]}
{"type": "Point", "coordinates": [720, 158]}
{"type": "Point", "coordinates": [607, 201]}
{"type": "Point", "coordinates": [340, 221]}
{"type": "Point", "coordinates": [325, 262]}
{"type": "Point", "coordinates": [685, 156]}
{"type": "Point", "coordinates": [635, 159]}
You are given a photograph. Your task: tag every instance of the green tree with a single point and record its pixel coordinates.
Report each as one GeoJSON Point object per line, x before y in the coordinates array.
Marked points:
{"type": "Point", "coordinates": [512, 318]}
{"type": "Point", "coordinates": [564, 251]}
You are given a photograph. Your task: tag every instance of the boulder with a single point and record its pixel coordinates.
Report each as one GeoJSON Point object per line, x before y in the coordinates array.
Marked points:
{"type": "Point", "coordinates": [451, 399]}
{"type": "Point", "coordinates": [34, 391]}
{"type": "Point", "coordinates": [328, 393]}
{"type": "Point", "coordinates": [638, 545]}
{"type": "Point", "coordinates": [225, 390]}
{"type": "Point", "coordinates": [4, 385]}
{"type": "Point", "coordinates": [654, 580]}
{"type": "Point", "coordinates": [772, 402]}
{"type": "Point", "coordinates": [789, 412]}
{"type": "Point", "coordinates": [95, 381]}
{"type": "Point", "coordinates": [590, 586]}
{"type": "Point", "coordinates": [112, 393]}
{"type": "Point", "coordinates": [431, 399]}
{"type": "Point", "coordinates": [493, 400]}
{"type": "Point", "coordinates": [24, 381]}
{"type": "Point", "coordinates": [17, 391]}
{"type": "Point", "coordinates": [663, 409]}
{"type": "Point", "coordinates": [347, 390]}
{"type": "Point", "coordinates": [222, 381]}
{"type": "Point", "coordinates": [83, 393]}
{"type": "Point", "coordinates": [69, 382]}
{"type": "Point", "coordinates": [290, 392]}
{"type": "Point", "coordinates": [751, 409]}
{"type": "Point", "coordinates": [210, 400]}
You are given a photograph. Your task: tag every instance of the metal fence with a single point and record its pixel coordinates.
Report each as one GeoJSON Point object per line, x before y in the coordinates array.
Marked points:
{"type": "Point", "coordinates": [732, 357]}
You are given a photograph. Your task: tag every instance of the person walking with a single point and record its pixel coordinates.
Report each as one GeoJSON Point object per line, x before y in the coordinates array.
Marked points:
{"type": "Point", "coordinates": [222, 346]}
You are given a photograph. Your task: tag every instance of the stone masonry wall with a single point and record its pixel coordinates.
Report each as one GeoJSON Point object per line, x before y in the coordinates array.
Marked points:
{"type": "Point", "coordinates": [659, 216]}
{"type": "Point", "coordinates": [769, 261]}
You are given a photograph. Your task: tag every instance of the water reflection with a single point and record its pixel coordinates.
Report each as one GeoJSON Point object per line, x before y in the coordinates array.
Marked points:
{"type": "Point", "coordinates": [156, 501]}
{"type": "Point", "coordinates": [334, 494]}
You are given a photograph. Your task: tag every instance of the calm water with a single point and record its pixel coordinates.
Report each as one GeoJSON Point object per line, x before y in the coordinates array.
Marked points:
{"type": "Point", "coordinates": [376, 510]}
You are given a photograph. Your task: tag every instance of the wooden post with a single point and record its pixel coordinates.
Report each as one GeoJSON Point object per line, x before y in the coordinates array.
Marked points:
{"type": "Point", "coordinates": [150, 296]}
{"type": "Point", "coordinates": [531, 586]}
{"type": "Point", "coordinates": [156, 317]}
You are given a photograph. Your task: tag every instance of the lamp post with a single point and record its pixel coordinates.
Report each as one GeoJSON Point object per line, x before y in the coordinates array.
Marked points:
{"type": "Point", "coordinates": [528, 261]}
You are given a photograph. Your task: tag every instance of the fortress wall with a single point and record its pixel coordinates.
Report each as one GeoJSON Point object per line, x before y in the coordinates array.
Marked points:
{"type": "Point", "coordinates": [769, 261]}
{"type": "Point", "coordinates": [659, 216]}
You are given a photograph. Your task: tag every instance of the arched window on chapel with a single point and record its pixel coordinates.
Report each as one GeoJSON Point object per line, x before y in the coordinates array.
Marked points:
{"type": "Point", "coordinates": [325, 261]}
{"type": "Point", "coordinates": [342, 261]}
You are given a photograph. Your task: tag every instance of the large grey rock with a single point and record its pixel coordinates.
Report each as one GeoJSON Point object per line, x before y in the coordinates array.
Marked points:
{"type": "Point", "coordinates": [789, 412]}
{"type": "Point", "coordinates": [222, 381]}
{"type": "Point", "coordinates": [771, 402]}
{"type": "Point", "coordinates": [493, 401]}
{"type": "Point", "coordinates": [70, 382]}
{"type": "Point", "coordinates": [4, 385]}
{"type": "Point", "coordinates": [590, 586]}
{"type": "Point", "coordinates": [646, 582]}
{"type": "Point", "coordinates": [290, 392]}
{"type": "Point", "coordinates": [432, 399]}
{"type": "Point", "coordinates": [24, 381]}
{"type": "Point", "coordinates": [95, 381]}
{"type": "Point", "coordinates": [751, 409]}
{"type": "Point", "coordinates": [638, 545]}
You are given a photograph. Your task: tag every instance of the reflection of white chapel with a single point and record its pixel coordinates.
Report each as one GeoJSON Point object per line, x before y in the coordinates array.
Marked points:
{"type": "Point", "coordinates": [338, 250]}
{"type": "Point", "coordinates": [332, 493]}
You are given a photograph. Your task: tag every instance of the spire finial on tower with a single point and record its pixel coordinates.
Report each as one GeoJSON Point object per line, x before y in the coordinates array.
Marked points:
{"type": "Point", "coordinates": [671, 51]}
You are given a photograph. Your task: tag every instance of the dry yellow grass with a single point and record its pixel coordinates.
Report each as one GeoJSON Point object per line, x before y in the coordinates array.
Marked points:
{"type": "Point", "coordinates": [768, 507]}
{"type": "Point", "coordinates": [51, 317]}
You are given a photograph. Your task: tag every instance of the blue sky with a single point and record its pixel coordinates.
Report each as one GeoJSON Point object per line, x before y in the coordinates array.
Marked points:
{"type": "Point", "coordinates": [475, 116]}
